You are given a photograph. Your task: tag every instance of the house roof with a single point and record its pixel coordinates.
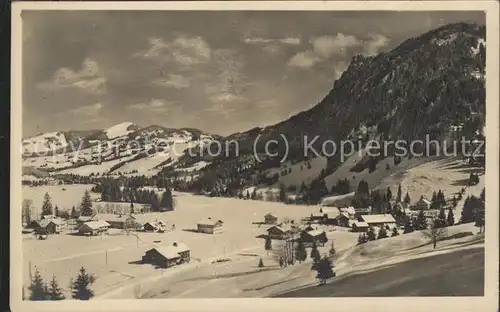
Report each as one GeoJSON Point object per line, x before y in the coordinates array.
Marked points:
{"type": "Point", "coordinates": [51, 216]}
{"type": "Point", "coordinates": [284, 228]}
{"type": "Point", "coordinates": [171, 252]}
{"type": "Point", "coordinates": [360, 224]}
{"type": "Point", "coordinates": [344, 214]}
{"type": "Point", "coordinates": [349, 210]}
{"type": "Point", "coordinates": [85, 218]}
{"type": "Point", "coordinates": [96, 224]}
{"type": "Point", "coordinates": [57, 221]}
{"type": "Point", "coordinates": [209, 221]}
{"type": "Point", "coordinates": [379, 218]}
{"type": "Point", "coordinates": [331, 212]}
{"type": "Point", "coordinates": [315, 232]}
{"type": "Point", "coordinates": [423, 200]}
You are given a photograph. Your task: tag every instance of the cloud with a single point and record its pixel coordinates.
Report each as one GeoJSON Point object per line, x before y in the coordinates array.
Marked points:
{"type": "Point", "coordinates": [183, 50]}
{"type": "Point", "coordinates": [89, 78]}
{"type": "Point", "coordinates": [324, 48]}
{"type": "Point", "coordinates": [374, 45]}
{"type": "Point", "coordinates": [174, 81]}
{"type": "Point", "coordinates": [154, 105]}
{"type": "Point", "coordinates": [304, 60]}
{"type": "Point", "coordinates": [88, 110]}
{"type": "Point", "coordinates": [260, 40]}
{"type": "Point", "coordinates": [327, 46]}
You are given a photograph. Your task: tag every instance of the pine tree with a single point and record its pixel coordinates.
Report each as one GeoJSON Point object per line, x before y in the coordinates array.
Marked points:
{"type": "Point", "coordinates": [394, 232]}
{"type": "Point", "coordinates": [86, 205]}
{"type": "Point", "coordinates": [47, 205]}
{"type": "Point", "coordinates": [55, 293]}
{"type": "Point", "coordinates": [153, 201]}
{"type": "Point", "coordinates": [361, 238]}
{"type": "Point", "coordinates": [73, 212]}
{"type": "Point", "coordinates": [421, 222]}
{"type": "Point", "coordinates": [324, 269]}
{"type": "Point", "coordinates": [450, 220]}
{"type": "Point", "coordinates": [371, 234]}
{"type": "Point", "coordinates": [132, 207]}
{"type": "Point", "coordinates": [81, 287]}
{"type": "Point", "coordinates": [441, 220]}
{"type": "Point", "coordinates": [57, 213]}
{"type": "Point", "coordinates": [261, 263]}
{"type": "Point", "coordinates": [409, 227]}
{"type": "Point", "coordinates": [282, 196]}
{"type": "Point", "coordinates": [268, 245]}
{"type": "Point", "coordinates": [300, 252]}
{"type": "Point", "coordinates": [248, 195]}
{"type": "Point", "coordinates": [167, 200]}
{"type": "Point", "coordinates": [389, 193]}
{"type": "Point", "coordinates": [382, 233]}
{"type": "Point", "coordinates": [399, 195]}
{"type": "Point", "coordinates": [254, 193]}
{"type": "Point", "coordinates": [315, 253]}
{"type": "Point", "coordinates": [38, 288]}
{"type": "Point", "coordinates": [407, 198]}
{"type": "Point", "coordinates": [483, 195]}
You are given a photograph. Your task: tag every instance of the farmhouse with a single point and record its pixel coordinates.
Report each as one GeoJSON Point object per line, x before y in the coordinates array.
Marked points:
{"type": "Point", "coordinates": [49, 226]}
{"type": "Point", "coordinates": [330, 214]}
{"type": "Point", "coordinates": [83, 219]}
{"type": "Point", "coordinates": [270, 219]}
{"type": "Point", "coordinates": [423, 204]}
{"type": "Point", "coordinates": [153, 226]}
{"type": "Point", "coordinates": [317, 216]}
{"type": "Point", "coordinates": [360, 226]}
{"type": "Point", "coordinates": [309, 237]}
{"type": "Point", "coordinates": [168, 256]}
{"type": "Point", "coordinates": [94, 227]}
{"type": "Point", "coordinates": [344, 219]}
{"type": "Point", "coordinates": [379, 220]}
{"type": "Point", "coordinates": [210, 226]}
{"type": "Point", "coordinates": [279, 231]}
{"type": "Point", "coordinates": [118, 221]}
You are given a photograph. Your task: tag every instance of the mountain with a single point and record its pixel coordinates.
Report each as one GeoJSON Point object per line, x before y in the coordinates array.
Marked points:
{"type": "Point", "coordinates": [431, 85]}
{"type": "Point", "coordinates": [122, 148]}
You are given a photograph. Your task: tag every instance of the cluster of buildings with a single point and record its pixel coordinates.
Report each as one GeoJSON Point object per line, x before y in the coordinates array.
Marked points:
{"type": "Point", "coordinates": [358, 219]}
{"type": "Point", "coordinates": [305, 233]}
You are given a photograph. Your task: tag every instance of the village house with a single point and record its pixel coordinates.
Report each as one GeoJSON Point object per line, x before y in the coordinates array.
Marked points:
{"type": "Point", "coordinates": [210, 226]}
{"type": "Point", "coordinates": [270, 219]}
{"type": "Point", "coordinates": [49, 226]}
{"type": "Point", "coordinates": [379, 220]}
{"type": "Point", "coordinates": [423, 204]}
{"type": "Point", "coordinates": [281, 231]}
{"type": "Point", "coordinates": [168, 256]}
{"type": "Point", "coordinates": [83, 219]}
{"type": "Point", "coordinates": [330, 214]}
{"type": "Point", "coordinates": [309, 237]}
{"type": "Point", "coordinates": [345, 219]}
{"type": "Point", "coordinates": [360, 226]}
{"type": "Point", "coordinates": [317, 216]}
{"type": "Point", "coordinates": [119, 221]}
{"type": "Point", "coordinates": [153, 226]}
{"type": "Point", "coordinates": [94, 227]}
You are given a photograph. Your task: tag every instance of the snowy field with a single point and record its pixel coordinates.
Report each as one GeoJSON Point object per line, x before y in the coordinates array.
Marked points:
{"type": "Point", "coordinates": [111, 257]}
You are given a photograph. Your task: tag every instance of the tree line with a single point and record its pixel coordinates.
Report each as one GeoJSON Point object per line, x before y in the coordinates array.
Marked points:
{"type": "Point", "coordinates": [80, 287]}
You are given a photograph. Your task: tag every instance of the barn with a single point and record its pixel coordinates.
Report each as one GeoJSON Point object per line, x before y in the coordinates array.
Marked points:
{"type": "Point", "coordinates": [360, 226]}
{"type": "Point", "coordinates": [94, 227]}
{"type": "Point", "coordinates": [210, 226]}
{"type": "Point", "coordinates": [168, 256]}
{"type": "Point", "coordinates": [379, 220]}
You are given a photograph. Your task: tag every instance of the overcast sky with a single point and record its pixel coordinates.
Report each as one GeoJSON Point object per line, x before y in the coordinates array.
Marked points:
{"type": "Point", "coordinates": [220, 72]}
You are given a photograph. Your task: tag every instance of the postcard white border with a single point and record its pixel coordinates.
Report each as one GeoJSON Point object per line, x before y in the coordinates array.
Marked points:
{"type": "Point", "coordinates": [487, 303]}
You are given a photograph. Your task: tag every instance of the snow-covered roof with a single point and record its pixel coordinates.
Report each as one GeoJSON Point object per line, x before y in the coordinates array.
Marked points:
{"type": "Point", "coordinates": [379, 218]}
{"type": "Point", "coordinates": [360, 224]}
{"type": "Point", "coordinates": [96, 224]}
{"type": "Point", "coordinates": [209, 221]}
{"type": "Point", "coordinates": [172, 251]}
{"type": "Point", "coordinates": [315, 232]}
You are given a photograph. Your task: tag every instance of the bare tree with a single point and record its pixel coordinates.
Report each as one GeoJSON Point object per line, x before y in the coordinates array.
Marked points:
{"type": "Point", "coordinates": [435, 232]}
{"type": "Point", "coordinates": [26, 213]}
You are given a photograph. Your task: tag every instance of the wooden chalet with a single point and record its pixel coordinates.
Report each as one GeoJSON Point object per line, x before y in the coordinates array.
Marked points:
{"type": "Point", "coordinates": [379, 220]}
{"type": "Point", "coordinates": [94, 227]}
{"type": "Point", "coordinates": [360, 226]}
{"type": "Point", "coordinates": [48, 226]}
{"type": "Point", "coordinates": [270, 219]}
{"type": "Point", "coordinates": [314, 236]}
{"type": "Point", "coordinates": [210, 226]}
{"type": "Point", "coordinates": [168, 256]}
